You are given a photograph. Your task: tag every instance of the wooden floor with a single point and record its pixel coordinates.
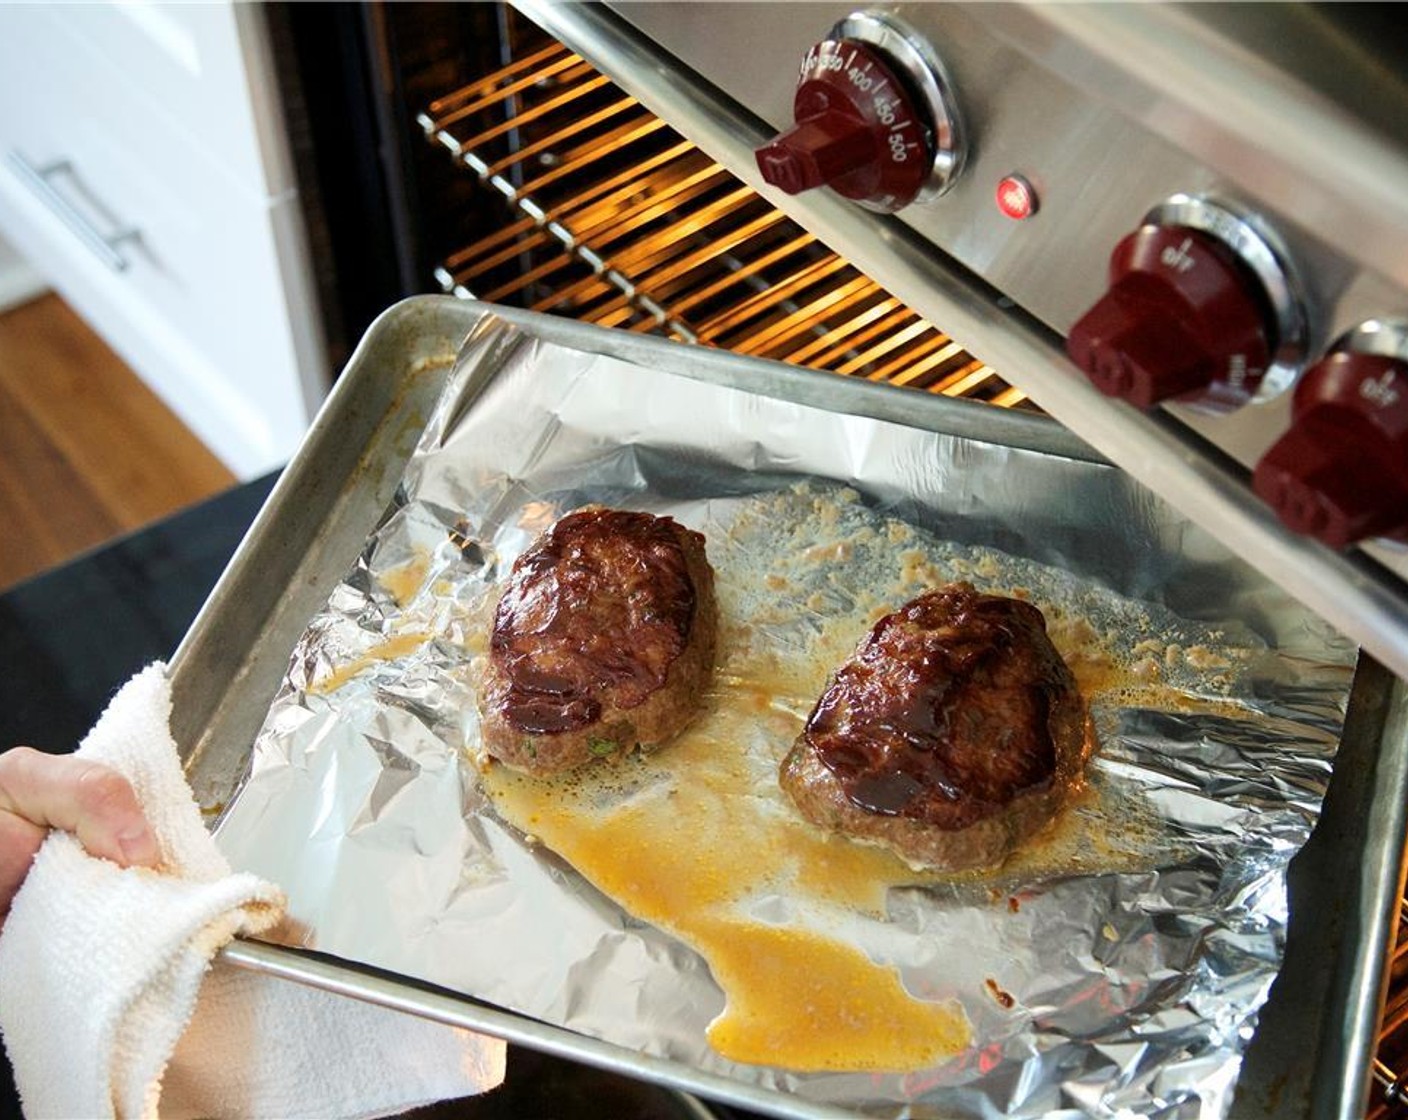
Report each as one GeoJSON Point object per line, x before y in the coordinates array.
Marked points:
{"type": "Point", "coordinates": [87, 451]}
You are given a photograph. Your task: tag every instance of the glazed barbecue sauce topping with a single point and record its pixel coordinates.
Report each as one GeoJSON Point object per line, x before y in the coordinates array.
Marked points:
{"type": "Point", "coordinates": [602, 602]}
{"type": "Point", "coordinates": [906, 725]}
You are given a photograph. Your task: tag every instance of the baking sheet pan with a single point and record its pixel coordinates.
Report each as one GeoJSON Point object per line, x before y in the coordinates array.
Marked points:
{"type": "Point", "coordinates": [345, 477]}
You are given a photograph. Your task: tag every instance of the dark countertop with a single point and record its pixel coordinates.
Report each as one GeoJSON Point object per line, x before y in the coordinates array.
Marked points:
{"type": "Point", "coordinates": [70, 636]}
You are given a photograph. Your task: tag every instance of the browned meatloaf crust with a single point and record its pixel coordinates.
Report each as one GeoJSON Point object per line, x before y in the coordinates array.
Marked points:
{"type": "Point", "coordinates": [952, 734]}
{"type": "Point", "coordinates": [603, 640]}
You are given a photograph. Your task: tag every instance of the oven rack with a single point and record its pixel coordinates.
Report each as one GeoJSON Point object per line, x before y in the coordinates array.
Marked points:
{"type": "Point", "coordinates": [1390, 1071]}
{"type": "Point", "coordinates": [615, 219]}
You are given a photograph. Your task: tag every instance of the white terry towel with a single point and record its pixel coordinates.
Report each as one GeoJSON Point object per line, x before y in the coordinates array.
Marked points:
{"type": "Point", "coordinates": [109, 1005]}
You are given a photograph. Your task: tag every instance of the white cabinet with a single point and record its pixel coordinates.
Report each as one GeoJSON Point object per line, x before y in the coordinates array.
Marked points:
{"type": "Point", "coordinates": [157, 128]}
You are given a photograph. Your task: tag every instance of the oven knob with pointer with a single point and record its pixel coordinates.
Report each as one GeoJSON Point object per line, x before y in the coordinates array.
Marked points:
{"type": "Point", "coordinates": [1202, 308]}
{"type": "Point", "coordinates": [1340, 472]}
{"type": "Point", "coordinates": [875, 119]}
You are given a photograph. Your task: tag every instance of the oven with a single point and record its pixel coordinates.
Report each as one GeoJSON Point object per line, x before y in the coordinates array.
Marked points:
{"type": "Point", "coordinates": [1180, 231]}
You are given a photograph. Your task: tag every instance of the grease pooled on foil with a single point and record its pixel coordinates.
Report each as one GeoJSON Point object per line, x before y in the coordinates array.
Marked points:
{"type": "Point", "coordinates": [1115, 966]}
{"type": "Point", "coordinates": [698, 838]}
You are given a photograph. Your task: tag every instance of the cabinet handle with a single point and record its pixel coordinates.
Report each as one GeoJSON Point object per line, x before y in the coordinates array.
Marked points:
{"type": "Point", "coordinates": [39, 180]}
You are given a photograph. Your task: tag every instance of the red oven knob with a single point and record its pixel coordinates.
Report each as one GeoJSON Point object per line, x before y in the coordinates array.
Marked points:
{"type": "Point", "coordinates": [874, 119]}
{"type": "Point", "coordinates": [1340, 473]}
{"type": "Point", "coordinates": [1199, 309]}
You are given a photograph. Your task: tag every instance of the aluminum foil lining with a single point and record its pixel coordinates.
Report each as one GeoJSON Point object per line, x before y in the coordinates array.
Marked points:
{"type": "Point", "coordinates": [1126, 981]}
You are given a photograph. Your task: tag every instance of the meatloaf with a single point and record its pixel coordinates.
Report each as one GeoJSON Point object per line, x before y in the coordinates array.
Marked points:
{"type": "Point", "coordinates": [953, 733]}
{"type": "Point", "coordinates": [603, 641]}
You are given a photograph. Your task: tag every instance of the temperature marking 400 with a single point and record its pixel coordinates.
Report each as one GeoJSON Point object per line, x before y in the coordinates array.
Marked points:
{"type": "Point", "coordinates": [861, 80]}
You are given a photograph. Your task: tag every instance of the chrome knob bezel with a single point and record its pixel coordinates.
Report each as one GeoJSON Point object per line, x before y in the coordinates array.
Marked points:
{"type": "Point", "coordinates": [1258, 247]}
{"type": "Point", "coordinates": [919, 65]}
{"type": "Point", "coordinates": [1383, 338]}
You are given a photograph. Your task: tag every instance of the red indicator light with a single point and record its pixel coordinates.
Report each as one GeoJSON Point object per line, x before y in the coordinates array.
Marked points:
{"type": "Point", "coordinates": [1016, 197]}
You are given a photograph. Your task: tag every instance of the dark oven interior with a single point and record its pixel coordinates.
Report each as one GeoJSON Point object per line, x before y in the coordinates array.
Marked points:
{"type": "Point", "coordinates": [459, 149]}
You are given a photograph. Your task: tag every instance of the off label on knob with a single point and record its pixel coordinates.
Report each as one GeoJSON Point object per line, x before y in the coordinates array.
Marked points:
{"type": "Point", "coordinates": [1380, 391]}
{"type": "Point", "coordinates": [1179, 259]}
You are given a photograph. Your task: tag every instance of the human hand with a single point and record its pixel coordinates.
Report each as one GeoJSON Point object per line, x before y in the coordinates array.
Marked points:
{"type": "Point", "coordinates": [42, 791]}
